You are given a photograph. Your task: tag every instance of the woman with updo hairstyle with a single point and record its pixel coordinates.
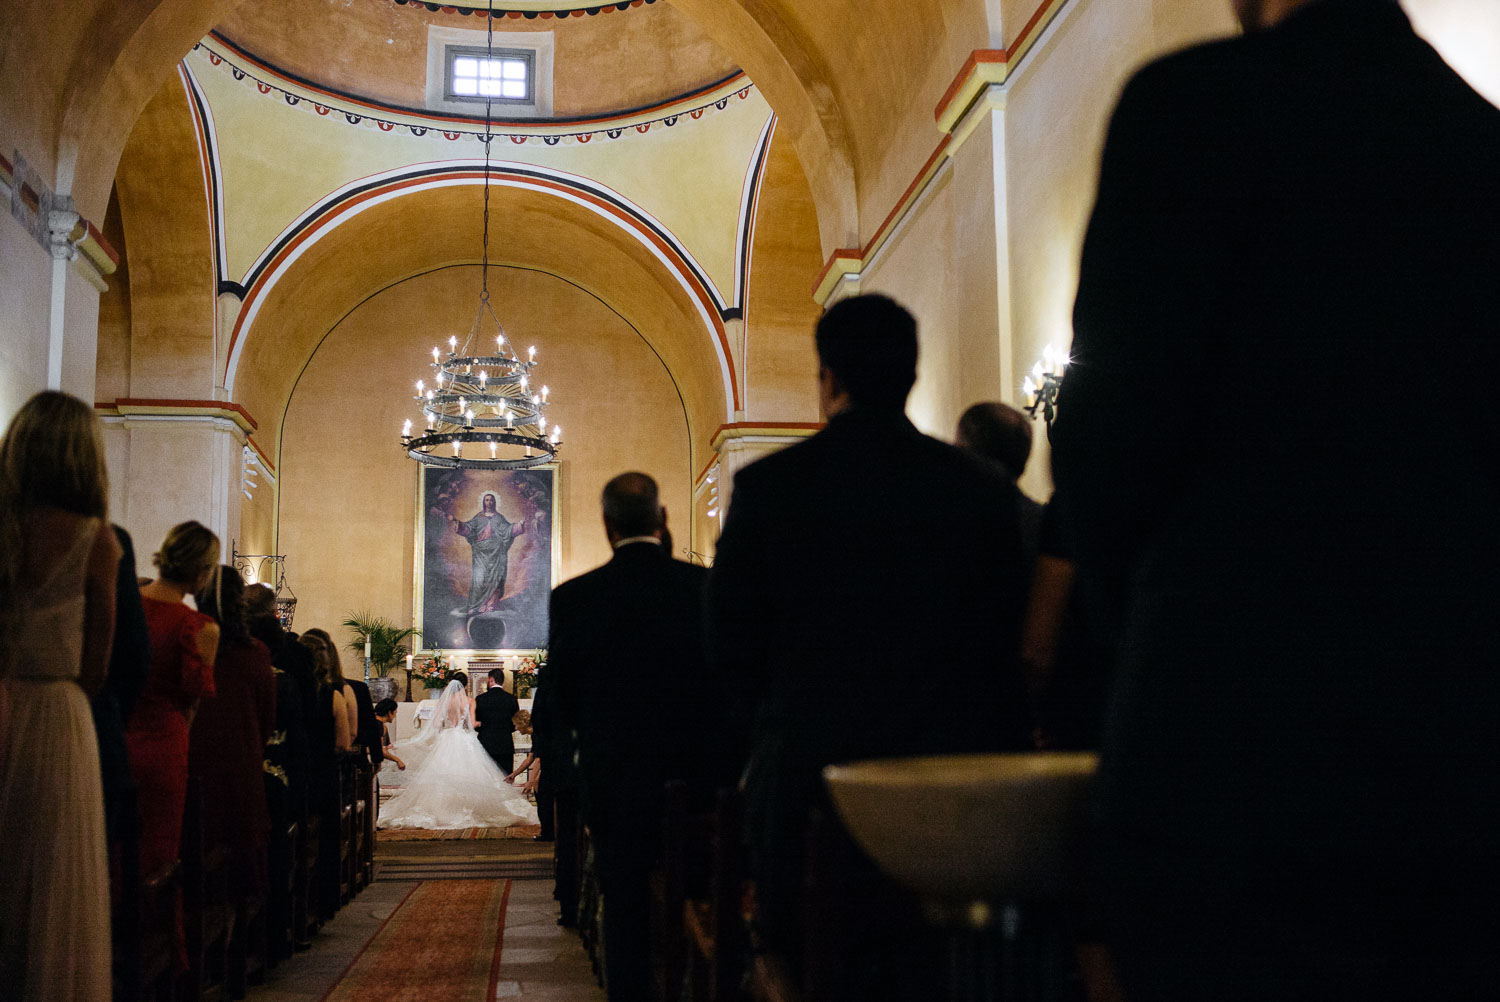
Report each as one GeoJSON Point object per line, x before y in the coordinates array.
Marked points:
{"type": "Point", "coordinates": [332, 689]}
{"type": "Point", "coordinates": [184, 644]}
{"type": "Point", "coordinates": [227, 748]}
{"type": "Point", "coordinates": [58, 563]}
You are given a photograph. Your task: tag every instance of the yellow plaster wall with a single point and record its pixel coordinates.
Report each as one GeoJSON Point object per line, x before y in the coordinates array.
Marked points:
{"type": "Point", "coordinates": [1057, 110]}
{"type": "Point", "coordinates": [112, 377]}
{"type": "Point", "coordinates": [347, 499]}
{"type": "Point", "coordinates": [942, 266]}
{"type": "Point", "coordinates": [25, 290]}
{"type": "Point", "coordinates": [781, 363]}
{"type": "Point", "coordinates": [278, 161]}
{"type": "Point", "coordinates": [164, 211]}
{"type": "Point", "coordinates": [438, 227]}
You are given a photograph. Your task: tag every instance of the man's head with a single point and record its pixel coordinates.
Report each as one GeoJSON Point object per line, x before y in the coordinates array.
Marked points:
{"type": "Point", "coordinates": [867, 355]}
{"type": "Point", "coordinates": [497, 677]}
{"type": "Point", "coordinates": [1256, 15]}
{"type": "Point", "coordinates": [385, 711]}
{"type": "Point", "coordinates": [488, 503]}
{"type": "Point", "coordinates": [997, 432]}
{"type": "Point", "coordinates": [260, 601]}
{"type": "Point", "coordinates": [632, 507]}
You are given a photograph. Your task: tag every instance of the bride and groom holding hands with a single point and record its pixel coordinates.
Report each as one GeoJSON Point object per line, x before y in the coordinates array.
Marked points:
{"type": "Point", "coordinates": [460, 764]}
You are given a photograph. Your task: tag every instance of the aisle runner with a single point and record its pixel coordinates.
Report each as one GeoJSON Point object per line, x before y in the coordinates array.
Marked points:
{"type": "Point", "coordinates": [514, 832]}
{"type": "Point", "coordinates": [442, 942]}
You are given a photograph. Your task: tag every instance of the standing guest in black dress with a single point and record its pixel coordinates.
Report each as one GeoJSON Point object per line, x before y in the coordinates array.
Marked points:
{"type": "Point", "coordinates": [1299, 791]}
{"type": "Point", "coordinates": [495, 709]}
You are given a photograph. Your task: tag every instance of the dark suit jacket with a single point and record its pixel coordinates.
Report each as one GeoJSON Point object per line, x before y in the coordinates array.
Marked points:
{"type": "Point", "coordinates": [626, 656]}
{"type": "Point", "coordinates": [495, 707]}
{"type": "Point", "coordinates": [1269, 444]}
{"type": "Point", "coordinates": [129, 661]}
{"type": "Point", "coordinates": [865, 601]}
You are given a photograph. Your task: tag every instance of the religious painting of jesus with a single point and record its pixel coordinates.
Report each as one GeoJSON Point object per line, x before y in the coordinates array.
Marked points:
{"type": "Point", "coordinates": [487, 554]}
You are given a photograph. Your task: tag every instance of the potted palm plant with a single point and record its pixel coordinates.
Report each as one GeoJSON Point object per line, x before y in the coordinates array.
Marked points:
{"type": "Point", "coordinates": [388, 648]}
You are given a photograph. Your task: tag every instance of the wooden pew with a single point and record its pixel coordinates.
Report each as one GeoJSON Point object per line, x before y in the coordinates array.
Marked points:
{"type": "Point", "coordinates": [718, 949]}
{"type": "Point", "coordinates": [207, 911]}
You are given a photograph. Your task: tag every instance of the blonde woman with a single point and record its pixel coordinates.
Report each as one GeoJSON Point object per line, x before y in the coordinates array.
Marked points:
{"type": "Point", "coordinates": [58, 562]}
{"type": "Point", "coordinates": [184, 643]}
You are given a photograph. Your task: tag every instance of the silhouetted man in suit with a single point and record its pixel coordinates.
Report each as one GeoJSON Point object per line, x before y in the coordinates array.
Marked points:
{"type": "Point", "coordinates": [866, 538]}
{"type": "Point", "coordinates": [496, 710]}
{"type": "Point", "coordinates": [1299, 793]}
{"type": "Point", "coordinates": [626, 656]}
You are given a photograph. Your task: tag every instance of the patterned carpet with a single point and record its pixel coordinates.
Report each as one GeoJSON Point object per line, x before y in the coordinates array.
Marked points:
{"type": "Point", "coordinates": [525, 832]}
{"type": "Point", "coordinates": [406, 960]}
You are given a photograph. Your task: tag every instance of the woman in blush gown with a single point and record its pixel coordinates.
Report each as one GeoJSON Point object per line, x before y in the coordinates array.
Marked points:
{"type": "Point", "coordinates": [58, 561]}
{"type": "Point", "coordinates": [457, 784]}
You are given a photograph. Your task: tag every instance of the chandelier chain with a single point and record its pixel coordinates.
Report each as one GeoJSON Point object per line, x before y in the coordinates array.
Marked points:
{"type": "Point", "coordinates": [489, 53]}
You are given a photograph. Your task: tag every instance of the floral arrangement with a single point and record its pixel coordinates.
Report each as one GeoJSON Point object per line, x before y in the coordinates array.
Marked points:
{"type": "Point", "coordinates": [435, 672]}
{"type": "Point", "coordinates": [524, 673]}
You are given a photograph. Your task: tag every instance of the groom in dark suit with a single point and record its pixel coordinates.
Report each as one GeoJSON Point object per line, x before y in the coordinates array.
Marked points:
{"type": "Point", "coordinates": [495, 710]}
{"type": "Point", "coordinates": [627, 658]}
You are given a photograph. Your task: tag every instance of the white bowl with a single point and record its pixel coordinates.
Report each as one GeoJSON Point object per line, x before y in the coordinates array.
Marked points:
{"type": "Point", "coordinates": [960, 829]}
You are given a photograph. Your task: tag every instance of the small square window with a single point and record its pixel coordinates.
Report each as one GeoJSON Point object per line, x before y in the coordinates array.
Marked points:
{"type": "Point", "coordinates": [506, 76]}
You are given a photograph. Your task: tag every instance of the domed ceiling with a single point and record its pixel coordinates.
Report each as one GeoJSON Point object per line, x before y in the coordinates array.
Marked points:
{"type": "Point", "coordinates": [614, 59]}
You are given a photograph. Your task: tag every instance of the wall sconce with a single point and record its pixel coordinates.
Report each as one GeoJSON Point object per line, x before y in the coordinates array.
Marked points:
{"type": "Point", "coordinates": [1041, 386]}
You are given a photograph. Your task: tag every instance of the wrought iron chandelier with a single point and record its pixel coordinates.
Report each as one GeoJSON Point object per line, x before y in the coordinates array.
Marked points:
{"type": "Point", "coordinates": [485, 402]}
{"type": "Point", "coordinates": [1041, 386]}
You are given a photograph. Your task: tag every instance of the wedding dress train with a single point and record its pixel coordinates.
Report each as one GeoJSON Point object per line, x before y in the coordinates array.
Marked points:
{"type": "Point", "coordinates": [454, 783]}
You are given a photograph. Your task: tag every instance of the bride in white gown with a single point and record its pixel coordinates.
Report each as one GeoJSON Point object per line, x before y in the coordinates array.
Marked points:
{"type": "Point", "coordinates": [451, 780]}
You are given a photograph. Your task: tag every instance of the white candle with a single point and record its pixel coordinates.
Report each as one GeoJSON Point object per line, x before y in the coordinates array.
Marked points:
{"type": "Point", "coordinates": [367, 645]}
{"type": "Point", "coordinates": [408, 662]}
{"type": "Point", "coordinates": [545, 391]}
{"type": "Point", "coordinates": [406, 429]}
{"type": "Point", "coordinates": [434, 354]}
{"type": "Point", "coordinates": [453, 342]}
{"type": "Point", "coordinates": [531, 353]}
{"type": "Point", "coordinates": [421, 386]}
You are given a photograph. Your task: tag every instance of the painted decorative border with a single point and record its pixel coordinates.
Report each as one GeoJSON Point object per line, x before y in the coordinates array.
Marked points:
{"type": "Point", "coordinates": [513, 9]}
{"type": "Point", "coordinates": [244, 66]}
{"type": "Point", "coordinates": [957, 114]}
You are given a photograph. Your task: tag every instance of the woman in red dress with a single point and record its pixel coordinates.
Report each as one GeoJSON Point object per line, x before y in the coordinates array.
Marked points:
{"type": "Point", "coordinates": [183, 646]}
{"type": "Point", "coordinates": [228, 745]}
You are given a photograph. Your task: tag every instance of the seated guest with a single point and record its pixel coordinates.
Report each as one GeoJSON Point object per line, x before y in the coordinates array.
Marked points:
{"type": "Point", "coordinates": [229, 737]}
{"type": "Point", "coordinates": [184, 646]}
{"type": "Point", "coordinates": [866, 535]}
{"type": "Point", "coordinates": [642, 600]}
{"type": "Point", "coordinates": [385, 713]}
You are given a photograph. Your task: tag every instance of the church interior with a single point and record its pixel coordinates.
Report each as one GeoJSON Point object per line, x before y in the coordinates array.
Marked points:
{"type": "Point", "coordinates": [241, 230]}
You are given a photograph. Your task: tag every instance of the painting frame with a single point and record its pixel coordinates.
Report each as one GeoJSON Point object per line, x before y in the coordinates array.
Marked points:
{"type": "Point", "coordinates": [421, 576]}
